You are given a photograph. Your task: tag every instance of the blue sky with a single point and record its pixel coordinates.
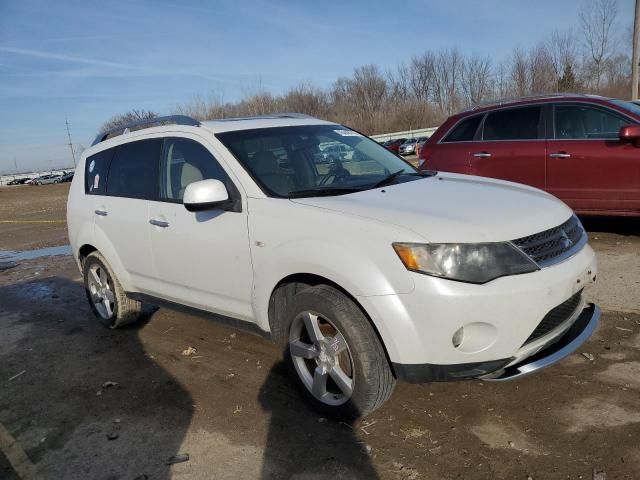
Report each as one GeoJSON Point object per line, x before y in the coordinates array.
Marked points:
{"type": "Point", "coordinates": [87, 61]}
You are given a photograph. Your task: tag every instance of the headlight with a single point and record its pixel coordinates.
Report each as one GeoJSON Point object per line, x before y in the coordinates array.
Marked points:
{"type": "Point", "coordinates": [466, 262]}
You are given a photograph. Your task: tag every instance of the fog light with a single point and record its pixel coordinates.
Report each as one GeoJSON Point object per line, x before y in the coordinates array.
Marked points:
{"type": "Point", "coordinates": [458, 337]}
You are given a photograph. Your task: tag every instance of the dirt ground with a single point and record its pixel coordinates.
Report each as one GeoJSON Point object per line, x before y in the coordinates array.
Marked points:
{"type": "Point", "coordinates": [33, 217]}
{"type": "Point", "coordinates": [234, 411]}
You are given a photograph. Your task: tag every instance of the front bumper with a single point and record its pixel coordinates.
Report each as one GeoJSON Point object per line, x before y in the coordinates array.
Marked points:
{"type": "Point", "coordinates": [498, 318]}
{"type": "Point", "coordinates": [503, 370]}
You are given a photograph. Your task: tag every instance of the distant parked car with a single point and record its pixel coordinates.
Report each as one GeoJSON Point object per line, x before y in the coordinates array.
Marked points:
{"type": "Point", "coordinates": [64, 178]}
{"type": "Point", "coordinates": [394, 144]}
{"type": "Point", "coordinates": [17, 181]}
{"type": "Point", "coordinates": [336, 152]}
{"type": "Point", "coordinates": [45, 179]}
{"type": "Point", "coordinates": [408, 147]}
{"type": "Point", "coordinates": [583, 149]}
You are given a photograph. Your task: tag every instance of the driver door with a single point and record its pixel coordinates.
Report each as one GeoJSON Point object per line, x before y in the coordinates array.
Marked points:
{"type": "Point", "coordinates": [202, 259]}
{"type": "Point", "coordinates": [588, 167]}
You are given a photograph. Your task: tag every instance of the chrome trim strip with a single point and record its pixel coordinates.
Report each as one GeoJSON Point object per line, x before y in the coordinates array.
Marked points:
{"type": "Point", "coordinates": [524, 369]}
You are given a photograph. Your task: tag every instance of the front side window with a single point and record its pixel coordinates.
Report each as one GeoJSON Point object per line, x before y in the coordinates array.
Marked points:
{"type": "Point", "coordinates": [581, 122]}
{"type": "Point", "coordinates": [314, 160]}
{"type": "Point", "coordinates": [183, 162]}
{"type": "Point", "coordinates": [465, 131]}
{"type": "Point", "coordinates": [513, 124]}
{"type": "Point", "coordinates": [96, 169]}
{"type": "Point", "coordinates": [134, 170]}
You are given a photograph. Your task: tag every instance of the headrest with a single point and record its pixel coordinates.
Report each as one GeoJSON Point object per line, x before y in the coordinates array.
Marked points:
{"type": "Point", "coordinates": [265, 163]}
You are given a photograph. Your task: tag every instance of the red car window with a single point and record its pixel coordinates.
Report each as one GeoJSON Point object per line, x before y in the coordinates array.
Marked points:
{"type": "Point", "coordinates": [465, 131]}
{"type": "Point", "coordinates": [582, 122]}
{"type": "Point", "coordinates": [513, 124]}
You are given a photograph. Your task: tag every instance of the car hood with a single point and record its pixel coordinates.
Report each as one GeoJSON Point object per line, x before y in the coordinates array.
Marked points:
{"type": "Point", "coordinates": [454, 208]}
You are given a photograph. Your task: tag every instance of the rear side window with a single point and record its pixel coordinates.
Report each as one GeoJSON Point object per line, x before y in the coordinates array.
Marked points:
{"type": "Point", "coordinates": [185, 161]}
{"type": "Point", "coordinates": [465, 131]}
{"type": "Point", "coordinates": [583, 122]}
{"type": "Point", "coordinates": [513, 124]}
{"type": "Point", "coordinates": [96, 170]}
{"type": "Point", "coordinates": [134, 170]}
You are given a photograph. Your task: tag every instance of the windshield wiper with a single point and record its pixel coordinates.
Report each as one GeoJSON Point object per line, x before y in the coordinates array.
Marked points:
{"type": "Point", "coordinates": [323, 191]}
{"type": "Point", "coordinates": [389, 178]}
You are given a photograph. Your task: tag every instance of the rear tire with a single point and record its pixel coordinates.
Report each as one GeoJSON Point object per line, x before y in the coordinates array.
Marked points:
{"type": "Point", "coordinates": [108, 300]}
{"type": "Point", "coordinates": [335, 354]}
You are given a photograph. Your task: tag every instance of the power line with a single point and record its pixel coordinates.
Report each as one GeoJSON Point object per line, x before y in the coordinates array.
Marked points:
{"type": "Point", "coordinates": [73, 154]}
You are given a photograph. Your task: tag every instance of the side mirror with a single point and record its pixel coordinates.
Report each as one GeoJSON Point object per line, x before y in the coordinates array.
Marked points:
{"type": "Point", "coordinates": [206, 195]}
{"type": "Point", "coordinates": [631, 134]}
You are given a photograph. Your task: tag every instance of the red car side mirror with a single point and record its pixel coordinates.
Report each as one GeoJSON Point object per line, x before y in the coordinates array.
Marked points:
{"type": "Point", "coordinates": [631, 134]}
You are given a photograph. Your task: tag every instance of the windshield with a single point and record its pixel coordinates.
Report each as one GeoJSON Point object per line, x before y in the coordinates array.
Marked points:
{"type": "Point", "coordinates": [314, 160]}
{"type": "Point", "coordinates": [629, 106]}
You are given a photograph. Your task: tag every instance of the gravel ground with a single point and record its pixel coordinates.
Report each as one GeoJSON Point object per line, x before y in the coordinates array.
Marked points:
{"type": "Point", "coordinates": [234, 411]}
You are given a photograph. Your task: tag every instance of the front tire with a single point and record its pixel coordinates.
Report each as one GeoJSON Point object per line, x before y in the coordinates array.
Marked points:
{"type": "Point", "coordinates": [108, 300]}
{"type": "Point", "coordinates": [335, 354]}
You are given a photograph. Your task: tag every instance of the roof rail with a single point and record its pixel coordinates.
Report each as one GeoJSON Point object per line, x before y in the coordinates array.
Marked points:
{"type": "Point", "coordinates": [150, 122]}
{"type": "Point", "coordinates": [268, 115]}
{"type": "Point", "coordinates": [502, 101]}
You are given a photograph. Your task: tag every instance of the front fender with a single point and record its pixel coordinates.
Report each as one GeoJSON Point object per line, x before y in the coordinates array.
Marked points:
{"type": "Point", "coordinates": [351, 268]}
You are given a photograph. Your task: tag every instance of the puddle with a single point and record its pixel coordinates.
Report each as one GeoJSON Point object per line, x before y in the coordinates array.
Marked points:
{"type": "Point", "coordinates": [9, 257]}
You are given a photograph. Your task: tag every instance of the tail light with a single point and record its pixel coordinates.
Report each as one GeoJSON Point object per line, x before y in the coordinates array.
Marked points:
{"type": "Point", "coordinates": [424, 156]}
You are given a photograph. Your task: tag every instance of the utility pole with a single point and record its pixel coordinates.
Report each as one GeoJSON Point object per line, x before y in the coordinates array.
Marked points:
{"type": "Point", "coordinates": [636, 53]}
{"type": "Point", "coordinates": [73, 154]}
{"type": "Point", "coordinates": [15, 163]}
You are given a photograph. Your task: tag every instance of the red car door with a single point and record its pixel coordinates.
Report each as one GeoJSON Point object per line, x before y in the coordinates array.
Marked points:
{"type": "Point", "coordinates": [588, 166]}
{"type": "Point", "coordinates": [512, 146]}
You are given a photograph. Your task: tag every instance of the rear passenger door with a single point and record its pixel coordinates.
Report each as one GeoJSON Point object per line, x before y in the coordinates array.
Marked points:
{"type": "Point", "coordinates": [588, 166]}
{"type": "Point", "coordinates": [124, 180]}
{"type": "Point", "coordinates": [453, 152]}
{"type": "Point", "coordinates": [202, 259]}
{"type": "Point", "coordinates": [511, 146]}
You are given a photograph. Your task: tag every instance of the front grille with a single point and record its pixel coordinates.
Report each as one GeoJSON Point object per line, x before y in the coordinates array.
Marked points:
{"type": "Point", "coordinates": [555, 317]}
{"type": "Point", "coordinates": [555, 244]}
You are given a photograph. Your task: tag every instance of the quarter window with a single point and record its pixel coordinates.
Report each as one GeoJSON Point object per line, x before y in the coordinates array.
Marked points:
{"type": "Point", "coordinates": [185, 161]}
{"type": "Point", "coordinates": [583, 122]}
{"type": "Point", "coordinates": [96, 170]}
{"type": "Point", "coordinates": [134, 170]}
{"type": "Point", "coordinates": [465, 131]}
{"type": "Point", "coordinates": [513, 124]}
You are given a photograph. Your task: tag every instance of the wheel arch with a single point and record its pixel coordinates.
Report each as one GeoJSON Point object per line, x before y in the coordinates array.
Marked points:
{"type": "Point", "coordinates": [290, 285]}
{"type": "Point", "coordinates": [84, 251]}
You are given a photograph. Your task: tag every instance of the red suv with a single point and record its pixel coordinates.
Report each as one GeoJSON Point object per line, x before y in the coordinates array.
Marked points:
{"type": "Point", "coordinates": [583, 149]}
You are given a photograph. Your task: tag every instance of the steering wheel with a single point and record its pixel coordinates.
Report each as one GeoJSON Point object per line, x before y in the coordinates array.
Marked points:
{"type": "Point", "coordinates": [336, 171]}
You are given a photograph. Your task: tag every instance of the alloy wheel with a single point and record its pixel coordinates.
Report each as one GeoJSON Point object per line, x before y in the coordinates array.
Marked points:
{"type": "Point", "coordinates": [101, 289]}
{"type": "Point", "coordinates": [322, 358]}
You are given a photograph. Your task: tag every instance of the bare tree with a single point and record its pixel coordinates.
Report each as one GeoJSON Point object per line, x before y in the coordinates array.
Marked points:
{"type": "Point", "coordinates": [422, 74]}
{"type": "Point", "coordinates": [475, 79]}
{"type": "Point", "coordinates": [400, 83]}
{"type": "Point", "coordinates": [519, 73]}
{"type": "Point", "coordinates": [446, 81]}
{"type": "Point", "coordinates": [305, 98]}
{"type": "Point", "coordinates": [128, 117]}
{"type": "Point", "coordinates": [597, 18]}
{"type": "Point", "coordinates": [563, 49]}
{"type": "Point", "coordinates": [542, 78]}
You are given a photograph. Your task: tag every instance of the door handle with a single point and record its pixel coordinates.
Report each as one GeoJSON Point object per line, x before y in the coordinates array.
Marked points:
{"type": "Point", "coordinates": [159, 223]}
{"type": "Point", "coordinates": [102, 213]}
{"type": "Point", "coordinates": [560, 155]}
{"type": "Point", "coordinates": [482, 155]}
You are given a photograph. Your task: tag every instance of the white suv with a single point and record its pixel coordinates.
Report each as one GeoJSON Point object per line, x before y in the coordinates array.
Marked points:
{"type": "Point", "coordinates": [364, 271]}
